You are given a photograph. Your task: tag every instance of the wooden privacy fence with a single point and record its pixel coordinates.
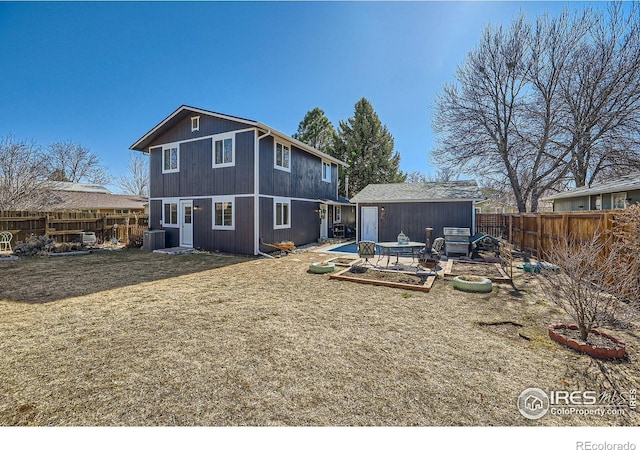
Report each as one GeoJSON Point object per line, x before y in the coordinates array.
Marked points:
{"type": "Point", "coordinates": [67, 226]}
{"type": "Point", "coordinates": [536, 233]}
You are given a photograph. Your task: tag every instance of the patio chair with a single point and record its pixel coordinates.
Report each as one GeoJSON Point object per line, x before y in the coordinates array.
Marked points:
{"type": "Point", "coordinates": [5, 241]}
{"type": "Point", "coordinates": [436, 248]}
{"type": "Point", "coordinates": [366, 250]}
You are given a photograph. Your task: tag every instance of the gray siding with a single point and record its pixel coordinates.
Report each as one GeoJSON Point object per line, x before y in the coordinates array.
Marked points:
{"type": "Point", "coordinates": [304, 180]}
{"type": "Point", "coordinates": [305, 224]}
{"type": "Point", "coordinates": [239, 241]}
{"type": "Point", "coordinates": [413, 218]}
{"type": "Point", "coordinates": [197, 177]}
{"type": "Point", "coordinates": [208, 126]}
{"type": "Point", "coordinates": [572, 204]}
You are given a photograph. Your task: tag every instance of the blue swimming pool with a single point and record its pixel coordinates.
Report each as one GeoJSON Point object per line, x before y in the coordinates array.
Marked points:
{"type": "Point", "coordinates": [348, 248]}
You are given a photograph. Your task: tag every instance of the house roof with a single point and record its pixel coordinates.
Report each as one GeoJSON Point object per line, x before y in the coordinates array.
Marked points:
{"type": "Point", "coordinates": [78, 187]}
{"type": "Point", "coordinates": [183, 111]}
{"type": "Point", "coordinates": [628, 182]}
{"type": "Point", "coordinates": [94, 200]}
{"type": "Point", "coordinates": [465, 190]}
{"type": "Point", "coordinates": [340, 202]}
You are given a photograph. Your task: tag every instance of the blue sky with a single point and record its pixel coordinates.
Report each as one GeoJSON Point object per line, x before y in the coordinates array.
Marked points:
{"type": "Point", "coordinates": [103, 74]}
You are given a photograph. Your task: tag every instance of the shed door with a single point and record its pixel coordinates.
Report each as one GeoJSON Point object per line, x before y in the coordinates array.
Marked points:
{"type": "Point", "coordinates": [369, 223]}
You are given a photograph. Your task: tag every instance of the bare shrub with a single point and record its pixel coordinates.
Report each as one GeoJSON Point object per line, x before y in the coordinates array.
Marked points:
{"type": "Point", "coordinates": [579, 286]}
{"type": "Point", "coordinates": [625, 245]}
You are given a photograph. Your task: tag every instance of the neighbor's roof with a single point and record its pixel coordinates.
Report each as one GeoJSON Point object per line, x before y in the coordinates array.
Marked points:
{"type": "Point", "coordinates": [183, 111]}
{"type": "Point", "coordinates": [624, 183]}
{"type": "Point", "coordinates": [466, 190]}
{"type": "Point", "coordinates": [78, 187]}
{"type": "Point", "coordinates": [93, 200]}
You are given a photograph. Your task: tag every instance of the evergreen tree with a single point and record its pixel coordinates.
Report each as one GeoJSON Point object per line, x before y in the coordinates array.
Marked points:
{"type": "Point", "coordinates": [316, 130]}
{"type": "Point", "coordinates": [367, 146]}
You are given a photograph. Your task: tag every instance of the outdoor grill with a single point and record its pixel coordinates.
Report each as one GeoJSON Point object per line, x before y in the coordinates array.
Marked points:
{"type": "Point", "coordinates": [456, 240]}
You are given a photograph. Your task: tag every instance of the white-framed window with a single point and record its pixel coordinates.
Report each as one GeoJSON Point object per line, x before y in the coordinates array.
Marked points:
{"type": "Point", "coordinates": [223, 213]}
{"type": "Point", "coordinates": [326, 171]}
{"type": "Point", "coordinates": [337, 214]}
{"type": "Point", "coordinates": [224, 150]}
{"type": "Point", "coordinates": [598, 202]}
{"type": "Point", "coordinates": [619, 200]}
{"type": "Point", "coordinates": [195, 123]}
{"type": "Point", "coordinates": [170, 158]}
{"type": "Point", "coordinates": [282, 156]}
{"type": "Point", "coordinates": [281, 213]}
{"type": "Point", "coordinates": [170, 213]}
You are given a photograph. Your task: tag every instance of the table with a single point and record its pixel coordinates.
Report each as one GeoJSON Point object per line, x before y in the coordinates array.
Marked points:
{"type": "Point", "coordinates": [389, 248]}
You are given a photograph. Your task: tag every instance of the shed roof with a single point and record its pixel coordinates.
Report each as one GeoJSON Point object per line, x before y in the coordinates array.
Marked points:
{"type": "Point", "coordinates": [183, 111]}
{"type": "Point", "coordinates": [628, 182]}
{"type": "Point", "coordinates": [443, 191]}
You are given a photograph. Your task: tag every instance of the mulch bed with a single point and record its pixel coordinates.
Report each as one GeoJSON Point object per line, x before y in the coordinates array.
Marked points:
{"type": "Point", "coordinates": [593, 339]}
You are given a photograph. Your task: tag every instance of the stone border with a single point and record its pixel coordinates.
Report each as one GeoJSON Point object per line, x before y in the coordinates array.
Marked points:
{"type": "Point", "coordinates": [426, 287]}
{"type": "Point", "coordinates": [8, 258]}
{"type": "Point", "coordinates": [617, 352]}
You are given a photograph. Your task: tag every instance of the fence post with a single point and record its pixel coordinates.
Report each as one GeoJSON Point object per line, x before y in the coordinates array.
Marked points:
{"type": "Point", "coordinates": [539, 236]}
{"type": "Point", "coordinates": [510, 235]}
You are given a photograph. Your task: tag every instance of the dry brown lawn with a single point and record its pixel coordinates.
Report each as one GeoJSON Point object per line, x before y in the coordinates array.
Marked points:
{"type": "Point", "coordinates": [137, 339]}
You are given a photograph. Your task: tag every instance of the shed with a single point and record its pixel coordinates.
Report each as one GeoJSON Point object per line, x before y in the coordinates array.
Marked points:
{"type": "Point", "coordinates": [385, 210]}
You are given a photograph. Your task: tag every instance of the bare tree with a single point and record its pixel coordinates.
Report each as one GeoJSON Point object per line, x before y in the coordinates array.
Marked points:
{"type": "Point", "coordinates": [601, 88]}
{"type": "Point", "coordinates": [477, 120]}
{"type": "Point", "coordinates": [76, 163]}
{"type": "Point", "coordinates": [547, 105]}
{"type": "Point", "coordinates": [580, 286]}
{"type": "Point", "coordinates": [136, 182]}
{"type": "Point", "coordinates": [22, 175]}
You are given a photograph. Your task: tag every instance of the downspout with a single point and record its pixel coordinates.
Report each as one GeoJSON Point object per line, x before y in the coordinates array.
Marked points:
{"type": "Point", "coordinates": [256, 195]}
{"type": "Point", "coordinates": [357, 222]}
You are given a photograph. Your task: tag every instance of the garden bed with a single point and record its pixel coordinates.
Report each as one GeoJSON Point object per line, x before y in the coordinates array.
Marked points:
{"type": "Point", "coordinates": [389, 278]}
{"type": "Point", "coordinates": [492, 271]}
{"type": "Point", "coordinates": [344, 262]}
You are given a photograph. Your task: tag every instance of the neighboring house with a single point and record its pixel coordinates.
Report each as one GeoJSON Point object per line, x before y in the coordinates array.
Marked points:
{"type": "Point", "coordinates": [385, 210]}
{"type": "Point", "coordinates": [225, 183]}
{"type": "Point", "coordinates": [92, 198]}
{"type": "Point", "coordinates": [489, 206]}
{"type": "Point", "coordinates": [615, 194]}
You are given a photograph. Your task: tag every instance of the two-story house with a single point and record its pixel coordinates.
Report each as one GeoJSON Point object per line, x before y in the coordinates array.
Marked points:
{"type": "Point", "coordinates": [229, 184]}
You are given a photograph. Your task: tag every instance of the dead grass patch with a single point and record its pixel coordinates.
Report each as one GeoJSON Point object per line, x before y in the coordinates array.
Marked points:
{"type": "Point", "coordinates": [220, 342]}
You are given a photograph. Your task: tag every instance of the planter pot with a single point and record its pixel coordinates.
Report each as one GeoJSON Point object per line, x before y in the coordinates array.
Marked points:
{"type": "Point", "coordinates": [469, 283]}
{"type": "Point", "coordinates": [322, 267]}
{"type": "Point", "coordinates": [617, 350]}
